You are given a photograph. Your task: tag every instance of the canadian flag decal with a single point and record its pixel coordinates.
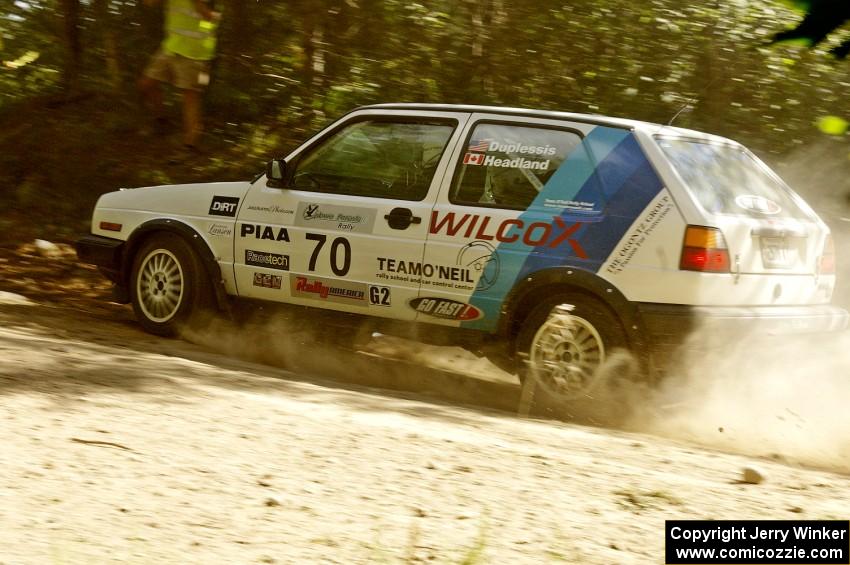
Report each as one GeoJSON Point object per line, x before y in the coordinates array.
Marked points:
{"type": "Point", "coordinates": [473, 159]}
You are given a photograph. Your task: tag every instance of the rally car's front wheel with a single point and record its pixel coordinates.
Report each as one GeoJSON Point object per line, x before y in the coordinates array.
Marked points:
{"type": "Point", "coordinates": [168, 285]}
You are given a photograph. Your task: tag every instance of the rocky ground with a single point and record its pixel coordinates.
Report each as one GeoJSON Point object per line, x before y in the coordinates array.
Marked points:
{"type": "Point", "coordinates": [123, 447]}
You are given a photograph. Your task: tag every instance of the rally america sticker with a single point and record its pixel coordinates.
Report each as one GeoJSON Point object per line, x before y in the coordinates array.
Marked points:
{"type": "Point", "coordinates": [329, 290]}
{"type": "Point", "coordinates": [446, 309]}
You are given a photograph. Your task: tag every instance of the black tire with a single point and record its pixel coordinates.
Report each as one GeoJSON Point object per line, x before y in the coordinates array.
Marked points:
{"type": "Point", "coordinates": [578, 362]}
{"type": "Point", "coordinates": [169, 287]}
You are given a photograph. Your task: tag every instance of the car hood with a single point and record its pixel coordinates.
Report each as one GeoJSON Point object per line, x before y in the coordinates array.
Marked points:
{"type": "Point", "coordinates": [177, 199]}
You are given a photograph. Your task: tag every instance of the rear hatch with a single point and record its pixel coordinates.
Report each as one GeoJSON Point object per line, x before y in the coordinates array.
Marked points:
{"type": "Point", "coordinates": [769, 230]}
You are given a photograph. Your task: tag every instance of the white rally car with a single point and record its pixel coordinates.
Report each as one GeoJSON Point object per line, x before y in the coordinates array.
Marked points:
{"type": "Point", "coordinates": [486, 219]}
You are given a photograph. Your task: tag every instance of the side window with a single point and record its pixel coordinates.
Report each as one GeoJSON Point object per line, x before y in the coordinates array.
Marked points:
{"type": "Point", "coordinates": [508, 166]}
{"type": "Point", "coordinates": [379, 158]}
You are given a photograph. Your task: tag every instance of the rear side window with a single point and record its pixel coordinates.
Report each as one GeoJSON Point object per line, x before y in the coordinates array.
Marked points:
{"type": "Point", "coordinates": [727, 180]}
{"type": "Point", "coordinates": [507, 166]}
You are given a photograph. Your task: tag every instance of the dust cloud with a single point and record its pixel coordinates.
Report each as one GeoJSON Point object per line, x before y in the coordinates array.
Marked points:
{"type": "Point", "coordinates": [287, 340]}
{"type": "Point", "coordinates": [786, 397]}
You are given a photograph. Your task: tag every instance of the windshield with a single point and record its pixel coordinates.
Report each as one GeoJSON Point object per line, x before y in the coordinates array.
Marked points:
{"type": "Point", "coordinates": [726, 179]}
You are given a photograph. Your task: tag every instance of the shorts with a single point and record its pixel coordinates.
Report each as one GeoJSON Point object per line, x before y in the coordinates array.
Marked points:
{"type": "Point", "coordinates": [182, 72]}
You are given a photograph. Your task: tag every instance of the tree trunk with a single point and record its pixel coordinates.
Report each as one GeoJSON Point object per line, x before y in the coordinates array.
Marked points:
{"type": "Point", "coordinates": [110, 45]}
{"type": "Point", "coordinates": [73, 46]}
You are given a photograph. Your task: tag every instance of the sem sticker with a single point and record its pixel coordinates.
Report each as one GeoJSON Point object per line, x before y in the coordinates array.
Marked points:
{"type": "Point", "coordinates": [446, 309]}
{"type": "Point", "coordinates": [265, 280]}
{"type": "Point", "coordinates": [758, 204]}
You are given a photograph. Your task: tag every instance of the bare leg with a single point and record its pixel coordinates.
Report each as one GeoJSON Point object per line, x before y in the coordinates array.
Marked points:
{"type": "Point", "coordinates": [152, 96]}
{"type": "Point", "coordinates": [192, 121]}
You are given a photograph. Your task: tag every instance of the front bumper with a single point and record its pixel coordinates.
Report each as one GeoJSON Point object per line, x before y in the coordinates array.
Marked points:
{"type": "Point", "coordinates": [105, 252]}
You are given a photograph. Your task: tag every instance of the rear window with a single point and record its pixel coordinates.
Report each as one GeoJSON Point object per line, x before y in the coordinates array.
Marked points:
{"type": "Point", "coordinates": [726, 179]}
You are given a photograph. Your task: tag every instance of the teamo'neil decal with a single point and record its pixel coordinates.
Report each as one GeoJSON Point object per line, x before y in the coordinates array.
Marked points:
{"type": "Point", "coordinates": [446, 309]}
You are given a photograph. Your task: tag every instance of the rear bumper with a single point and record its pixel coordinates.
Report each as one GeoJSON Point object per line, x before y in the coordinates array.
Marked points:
{"type": "Point", "coordinates": [673, 319]}
{"type": "Point", "coordinates": [669, 325]}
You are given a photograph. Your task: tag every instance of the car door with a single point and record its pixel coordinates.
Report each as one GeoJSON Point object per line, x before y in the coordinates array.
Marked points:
{"type": "Point", "coordinates": [347, 232]}
{"type": "Point", "coordinates": [522, 191]}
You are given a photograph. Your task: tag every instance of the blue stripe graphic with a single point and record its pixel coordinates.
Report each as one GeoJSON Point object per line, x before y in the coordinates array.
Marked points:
{"type": "Point", "coordinates": [619, 162]}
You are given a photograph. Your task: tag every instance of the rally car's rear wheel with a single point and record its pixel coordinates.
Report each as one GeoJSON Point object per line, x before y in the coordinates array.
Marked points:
{"type": "Point", "coordinates": [168, 285]}
{"type": "Point", "coordinates": [568, 346]}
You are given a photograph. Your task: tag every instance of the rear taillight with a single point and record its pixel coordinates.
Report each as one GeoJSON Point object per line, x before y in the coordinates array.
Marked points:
{"type": "Point", "coordinates": [827, 258]}
{"type": "Point", "coordinates": [704, 250]}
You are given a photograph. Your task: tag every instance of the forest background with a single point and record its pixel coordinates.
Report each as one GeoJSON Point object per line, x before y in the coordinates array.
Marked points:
{"type": "Point", "coordinates": [72, 126]}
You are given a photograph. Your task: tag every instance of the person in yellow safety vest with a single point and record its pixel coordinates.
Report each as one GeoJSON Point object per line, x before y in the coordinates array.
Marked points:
{"type": "Point", "coordinates": [183, 60]}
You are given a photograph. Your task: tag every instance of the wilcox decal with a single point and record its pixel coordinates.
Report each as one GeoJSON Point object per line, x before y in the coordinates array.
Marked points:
{"type": "Point", "coordinates": [263, 232]}
{"type": "Point", "coordinates": [445, 309]}
{"type": "Point", "coordinates": [533, 234]}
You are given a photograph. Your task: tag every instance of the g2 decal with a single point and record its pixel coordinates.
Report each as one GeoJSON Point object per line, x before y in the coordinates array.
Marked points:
{"type": "Point", "coordinates": [379, 296]}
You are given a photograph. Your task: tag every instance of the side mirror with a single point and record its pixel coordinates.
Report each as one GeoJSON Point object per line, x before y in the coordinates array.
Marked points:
{"type": "Point", "coordinates": [275, 173]}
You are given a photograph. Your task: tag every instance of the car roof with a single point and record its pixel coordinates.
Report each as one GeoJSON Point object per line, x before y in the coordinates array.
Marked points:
{"type": "Point", "coordinates": [550, 114]}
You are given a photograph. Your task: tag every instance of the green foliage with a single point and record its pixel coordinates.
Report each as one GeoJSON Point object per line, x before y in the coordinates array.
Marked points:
{"type": "Point", "coordinates": [285, 68]}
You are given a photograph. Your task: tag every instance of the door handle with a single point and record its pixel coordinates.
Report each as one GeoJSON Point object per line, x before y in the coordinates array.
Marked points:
{"type": "Point", "coordinates": [401, 218]}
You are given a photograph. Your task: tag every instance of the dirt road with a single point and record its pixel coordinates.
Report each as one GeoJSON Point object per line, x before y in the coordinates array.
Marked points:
{"type": "Point", "coordinates": [122, 447]}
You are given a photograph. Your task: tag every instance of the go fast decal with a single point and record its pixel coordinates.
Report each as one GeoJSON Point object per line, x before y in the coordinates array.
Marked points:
{"type": "Point", "coordinates": [607, 161]}
{"type": "Point", "coordinates": [445, 309]}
